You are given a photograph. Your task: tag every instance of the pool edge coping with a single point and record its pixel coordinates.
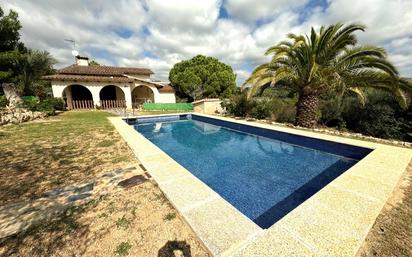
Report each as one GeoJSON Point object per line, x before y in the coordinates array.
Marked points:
{"type": "Point", "coordinates": [292, 226]}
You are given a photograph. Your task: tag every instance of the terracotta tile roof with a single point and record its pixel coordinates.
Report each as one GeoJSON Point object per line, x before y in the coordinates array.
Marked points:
{"type": "Point", "coordinates": [70, 77]}
{"type": "Point", "coordinates": [103, 70]}
{"type": "Point", "coordinates": [107, 74]}
{"type": "Point", "coordinates": [166, 89]}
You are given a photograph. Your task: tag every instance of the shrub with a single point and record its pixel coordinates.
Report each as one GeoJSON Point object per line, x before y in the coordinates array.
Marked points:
{"type": "Point", "coordinates": [381, 116]}
{"type": "Point", "coordinates": [278, 109]}
{"type": "Point", "coordinates": [3, 101]}
{"type": "Point", "coordinates": [377, 120]}
{"type": "Point", "coordinates": [48, 105]}
{"type": "Point", "coordinates": [286, 112]}
{"type": "Point", "coordinates": [238, 105]}
{"type": "Point", "coordinates": [123, 248]}
{"type": "Point", "coordinates": [30, 102]}
{"type": "Point", "coordinates": [57, 103]}
{"type": "Point", "coordinates": [262, 109]}
{"type": "Point", "coordinates": [331, 113]}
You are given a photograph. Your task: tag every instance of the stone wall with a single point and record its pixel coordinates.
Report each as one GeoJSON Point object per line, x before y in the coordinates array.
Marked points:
{"type": "Point", "coordinates": [208, 106]}
{"type": "Point", "coordinates": [19, 115]}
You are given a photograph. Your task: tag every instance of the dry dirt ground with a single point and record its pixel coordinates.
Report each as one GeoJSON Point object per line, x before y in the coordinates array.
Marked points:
{"type": "Point", "coordinates": [391, 235]}
{"type": "Point", "coordinates": [73, 148]}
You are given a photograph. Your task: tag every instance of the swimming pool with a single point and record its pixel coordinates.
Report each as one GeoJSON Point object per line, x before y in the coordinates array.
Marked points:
{"type": "Point", "coordinates": [263, 173]}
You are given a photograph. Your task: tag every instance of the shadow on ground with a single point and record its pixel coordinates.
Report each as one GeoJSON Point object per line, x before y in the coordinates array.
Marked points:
{"type": "Point", "coordinates": [49, 238]}
{"type": "Point", "coordinates": [169, 249]}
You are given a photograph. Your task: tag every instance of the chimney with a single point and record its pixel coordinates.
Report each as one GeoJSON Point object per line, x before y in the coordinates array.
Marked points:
{"type": "Point", "coordinates": [82, 60]}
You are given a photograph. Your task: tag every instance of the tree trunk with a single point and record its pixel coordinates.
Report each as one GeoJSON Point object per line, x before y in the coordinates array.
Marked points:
{"type": "Point", "coordinates": [307, 108]}
{"type": "Point", "coordinates": [11, 94]}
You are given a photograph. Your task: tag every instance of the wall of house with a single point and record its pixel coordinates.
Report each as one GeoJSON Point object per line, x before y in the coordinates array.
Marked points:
{"type": "Point", "coordinates": [58, 88]}
{"type": "Point", "coordinates": [167, 98]}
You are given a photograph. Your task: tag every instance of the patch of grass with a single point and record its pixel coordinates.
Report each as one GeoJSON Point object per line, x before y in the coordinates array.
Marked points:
{"type": "Point", "coordinates": [103, 215]}
{"type": "Point", "coordinates": [65, 161]}
{"type": "Point", "coordinates": [105, 143]}
{"type": "Point", "coordinates": [122, 223]}
{"type": "Point", "coordinates": [67, 149]}
{"type": "Point", "coordinates": [123, 248]}
{"type": "Point", "coordinates": [120, 159]}
{"type": "Point", "coordinates": [170, 216]}
{"type": "Point", "coordinates": [159, 197]}
{"type": "Point", "coordinates": [134, 211]}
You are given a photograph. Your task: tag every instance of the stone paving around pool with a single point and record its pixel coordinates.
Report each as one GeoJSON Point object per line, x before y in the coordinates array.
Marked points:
{"type": "Point", "coordinates": [333, 222]}
{"type": "Point", "coordinates": [18, 217]}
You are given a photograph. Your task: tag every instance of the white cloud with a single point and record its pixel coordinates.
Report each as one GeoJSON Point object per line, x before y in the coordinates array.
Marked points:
{"type": "Point", "coordinates": [183, 15]}
{"type": "Point", "coordinates": [388, 24]}
{"type": "Point", "coordinates": [252, 10]}
{"type": "Point", "coordinates": [93, 24]}
{"type": "Point", "coordinates": [159, 33]}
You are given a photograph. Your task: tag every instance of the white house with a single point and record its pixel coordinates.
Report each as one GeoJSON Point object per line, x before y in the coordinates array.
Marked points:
{"type": "Point", "coordinates": [83, 85]}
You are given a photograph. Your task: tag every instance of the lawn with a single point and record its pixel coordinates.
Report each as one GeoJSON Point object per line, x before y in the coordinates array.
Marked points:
{"type": "Point", "coordinates": [70, 148]}
{"type": "Point", "coordinates": [73, 148]}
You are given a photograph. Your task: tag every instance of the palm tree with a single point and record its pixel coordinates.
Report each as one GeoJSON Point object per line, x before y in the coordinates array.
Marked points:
{"type": "Point", "coordinates": [32, 67]}
{"type": "Point", "coordinates": [328, 61]}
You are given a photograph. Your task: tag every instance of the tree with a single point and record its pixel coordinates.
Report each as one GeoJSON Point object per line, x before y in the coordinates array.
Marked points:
{"type": "Point", "coordinates": [11, 51]}
{"type": "Point", "coordinates": [324, 62]}
{"type": "Point", "coordinates": [94, 63]}
{"type": "Point", "coordinates": [21, 69]}
{"type": "Point", "coordinates": [202, 77]}
{"type": "Point", "coordinates": [31, 68]}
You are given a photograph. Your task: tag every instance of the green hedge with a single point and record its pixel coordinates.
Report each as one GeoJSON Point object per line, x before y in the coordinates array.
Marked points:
{"type": "Point", "coordinates": [168, 106]}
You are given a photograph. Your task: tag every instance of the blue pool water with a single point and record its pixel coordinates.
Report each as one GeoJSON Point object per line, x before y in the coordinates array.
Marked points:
{"type": "Point", "coordinates": [262, 177]}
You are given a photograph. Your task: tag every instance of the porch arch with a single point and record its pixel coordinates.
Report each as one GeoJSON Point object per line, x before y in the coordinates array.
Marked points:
{"type": "Point", "coordinates": [77, 92]}
{"type": "Point", "coordinates": [112, 96]}
{"type": "Point", "coordinates": [77, 96]}
{"type": "Point", "coordinates": [143, 94]}
{"type": "Point", "coordinates": [111, 92]}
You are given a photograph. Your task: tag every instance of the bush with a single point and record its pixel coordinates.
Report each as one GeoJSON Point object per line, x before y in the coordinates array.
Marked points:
{"type": "Point", "coordinates": [238, 105]}
{"type": "Point", "coordinates": [262, 109]}
{"type": "Point", "coordinates": [57, 103]}
{"type": "Point", "coordinates": [374, 119]}
{"type": "Point", "coordinates": [331, 112]}
{"type": "Point", "coordinates": [286, 112]}
{"type": "Point", "coordinates": [381, 116]}
{"type": "Point", "coordinates": [30, 102]}
{"type": "Point", "coordinates": [278, 109]}
{"type": "Point", "coordinates": [3, 101]}
{"type": "Point", "coordinates": [48, 105]}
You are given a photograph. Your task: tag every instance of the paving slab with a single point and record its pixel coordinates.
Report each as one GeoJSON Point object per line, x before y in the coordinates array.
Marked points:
{"type": "Point", "coordinates": [220, 226]}
{"type": "Point", "coordinates": [277, 241]}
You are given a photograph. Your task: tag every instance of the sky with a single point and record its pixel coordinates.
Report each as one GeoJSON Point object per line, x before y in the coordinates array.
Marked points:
{"type": "Point", "coordinates": [159, 33]}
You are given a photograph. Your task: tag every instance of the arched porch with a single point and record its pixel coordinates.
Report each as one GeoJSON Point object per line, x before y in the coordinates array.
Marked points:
{"type": "Point", "coordinates": [142, 94]}
{"type": "Point", "coordinates": [77, 96]}
{"type": "Point", "coordinates": [112, 96]}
